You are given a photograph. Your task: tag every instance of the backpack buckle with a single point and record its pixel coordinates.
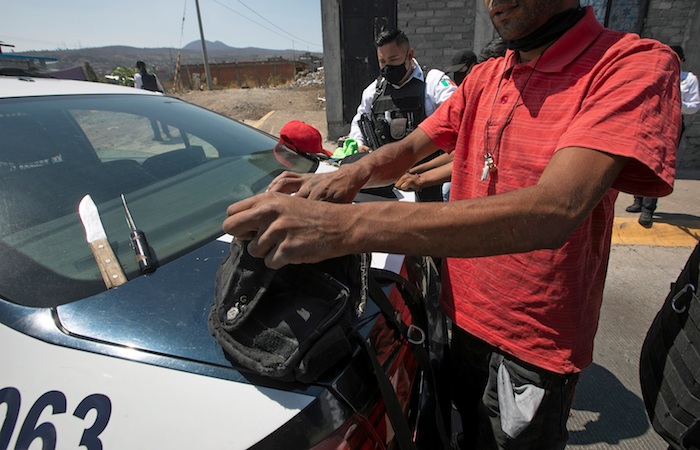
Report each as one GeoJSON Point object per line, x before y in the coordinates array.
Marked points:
{"type": "Point", "coordinates": [415, 335]}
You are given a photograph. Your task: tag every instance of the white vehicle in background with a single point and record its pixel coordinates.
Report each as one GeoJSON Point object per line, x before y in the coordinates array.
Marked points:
{"type": "Point", "coordinates": [134, 365]}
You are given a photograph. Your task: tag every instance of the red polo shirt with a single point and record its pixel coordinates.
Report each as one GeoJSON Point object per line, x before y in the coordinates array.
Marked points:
{"type": "Point", "coordinates": [593, 88]}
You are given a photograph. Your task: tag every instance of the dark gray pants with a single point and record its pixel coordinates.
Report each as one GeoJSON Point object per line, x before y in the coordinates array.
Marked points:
{"type": "Point", "coordinates": [648, 203]}
{"type": "Point", "coordinates": [505, 403]}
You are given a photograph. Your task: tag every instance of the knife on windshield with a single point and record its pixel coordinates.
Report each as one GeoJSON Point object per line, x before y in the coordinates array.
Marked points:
{"type": "Point", "coordinates": [139, 244]}
{"type": "Point", "coordinates": [111, 271]}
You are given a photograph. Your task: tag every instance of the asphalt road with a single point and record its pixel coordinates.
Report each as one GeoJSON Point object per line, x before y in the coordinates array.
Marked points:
{"type": "Point", "coordinates": [608, 411]}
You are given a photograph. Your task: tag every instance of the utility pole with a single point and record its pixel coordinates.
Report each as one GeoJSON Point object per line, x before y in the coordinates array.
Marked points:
{"type": "Point", "coordinates": [204, 47]}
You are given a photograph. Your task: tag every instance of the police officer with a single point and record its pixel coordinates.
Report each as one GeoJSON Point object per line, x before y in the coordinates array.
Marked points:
{"type": "Point", "coordinates": [401, 97]}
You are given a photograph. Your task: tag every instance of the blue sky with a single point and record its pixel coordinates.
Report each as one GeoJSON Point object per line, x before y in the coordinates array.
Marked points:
{"type": "Point", "coordinates": [74, 24]}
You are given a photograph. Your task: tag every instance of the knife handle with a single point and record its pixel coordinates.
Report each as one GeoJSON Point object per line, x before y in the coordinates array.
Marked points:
{"type": "Point", "coordinates": [111, 271]}
{"type": "Point", "coordinates": [143, 254]}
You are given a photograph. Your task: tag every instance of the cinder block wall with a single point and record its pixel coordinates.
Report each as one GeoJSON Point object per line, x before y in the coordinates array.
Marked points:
{"type": "Point", "coordinates": [437, 29]}
{"type": "Point", "coordinates": [669, 21]}
{"type": "Point", "coordinates": [677, 22]}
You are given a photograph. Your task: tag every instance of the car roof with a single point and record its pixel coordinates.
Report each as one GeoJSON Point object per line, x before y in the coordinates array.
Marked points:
{"type": "Point", "coordinates": [25, 86]}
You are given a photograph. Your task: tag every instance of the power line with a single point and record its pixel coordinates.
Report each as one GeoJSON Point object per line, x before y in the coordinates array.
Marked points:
{"type": "Point", "coordinates": [263, 26]}
{"type": "Point", "coordinates": [182, 28]}
{"type": "Point", "coordinates": [274, 25]}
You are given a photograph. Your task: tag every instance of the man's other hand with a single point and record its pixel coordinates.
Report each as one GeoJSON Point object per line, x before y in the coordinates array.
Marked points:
{"type": "Point", "coordinates": [285, 229]}
{"type": "Point", "coordinates": [337, 187]}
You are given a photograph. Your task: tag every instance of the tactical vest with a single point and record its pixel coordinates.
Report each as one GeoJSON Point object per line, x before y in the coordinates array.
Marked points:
{"type": "Point", "coordinates": [397, 112]}
{"type": "Point", "coordinates": [149, 81]}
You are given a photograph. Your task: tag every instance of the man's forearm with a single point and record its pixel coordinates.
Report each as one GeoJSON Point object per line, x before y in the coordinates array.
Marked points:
{"type": "Point", "coordinates": [541, 216]}
{"type": "Point", "coordinates": [438, 161]}
{"type": "Point", "coordinates": [468, 228]}
{"type": "Point", "coordinates": [438, 175]}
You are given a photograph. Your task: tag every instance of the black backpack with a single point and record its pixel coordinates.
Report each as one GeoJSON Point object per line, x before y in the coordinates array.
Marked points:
{"type": "Point", "coordinates": [296, 323]}
{"type": "Point", "coordinates": [669, 366]}
{"type": "Point", "coordinates": [289, 324]}
{"type": "Point", "coordinates": [149, 81]}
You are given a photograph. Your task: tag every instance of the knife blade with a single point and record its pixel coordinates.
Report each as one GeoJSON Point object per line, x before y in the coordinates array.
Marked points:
{"type": "Point", "coordinates": [106, 260]}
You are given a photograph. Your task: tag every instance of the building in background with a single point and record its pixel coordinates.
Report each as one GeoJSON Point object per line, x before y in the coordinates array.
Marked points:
{"type": "Point", "coordinates": [272, 72]}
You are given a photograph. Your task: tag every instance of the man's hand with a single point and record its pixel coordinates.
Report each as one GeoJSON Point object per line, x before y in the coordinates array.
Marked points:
{"type": "Point", "coordinates": [285, 229]}
{"type": "Point", "coordinates": [409, 182]}
{"type": "Point", "coordinates": [340, 186]}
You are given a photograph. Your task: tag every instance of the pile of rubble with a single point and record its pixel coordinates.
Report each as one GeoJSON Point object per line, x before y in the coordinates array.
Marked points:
{"type": "Point", "coordinates": [315, 78]}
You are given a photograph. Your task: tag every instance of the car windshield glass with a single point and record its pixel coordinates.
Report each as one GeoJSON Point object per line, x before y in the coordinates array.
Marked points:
{"type": "Point", "coordinates": [178, 166]}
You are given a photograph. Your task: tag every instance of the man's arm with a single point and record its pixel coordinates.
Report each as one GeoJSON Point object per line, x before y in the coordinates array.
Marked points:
{"type": "Point", "coordinates": [285, 229]}
{"type": "Point", "coordinates": [158, 85]}
{"type": "Point", "coordinates": [438, 161]}
{"type": "Point", "coordinates": [691, 101]}
{"type": "Point", "coordinates": [439, 87]}
{"type": "Point", "coordinates": [417, 181]}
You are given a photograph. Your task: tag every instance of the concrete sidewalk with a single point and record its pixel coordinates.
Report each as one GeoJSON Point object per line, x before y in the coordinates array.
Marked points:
{"type": "Point", "coordinates": [608, 411]}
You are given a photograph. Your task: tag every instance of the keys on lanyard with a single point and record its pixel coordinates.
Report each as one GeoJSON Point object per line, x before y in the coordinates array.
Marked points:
{"type": "Point", "coordinates": [489, 166]}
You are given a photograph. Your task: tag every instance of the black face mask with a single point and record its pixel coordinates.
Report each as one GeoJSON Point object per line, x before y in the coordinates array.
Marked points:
{"type": "Point", "coordinates": [394, 74]}
{"type": "Point", "coordinates": [550, 31]}
{"type": "Point", "coordinates": [459, 77]}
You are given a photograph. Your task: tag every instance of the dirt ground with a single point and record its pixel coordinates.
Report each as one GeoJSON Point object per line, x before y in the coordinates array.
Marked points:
{"type": "Point", "coordinates": [253, 104]}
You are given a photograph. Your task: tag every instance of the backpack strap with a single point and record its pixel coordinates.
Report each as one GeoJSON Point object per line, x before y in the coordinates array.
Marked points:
{"type": "Point", "coordinates": [379, 88]}
{"type": "Point", "coordinates": [391, 402]}
{"type": "Point", "coordinates": [414, 334]}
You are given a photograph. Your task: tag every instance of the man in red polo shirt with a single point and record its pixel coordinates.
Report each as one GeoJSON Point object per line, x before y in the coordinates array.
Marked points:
{"type": "Point", "coordinates": [543, 141]}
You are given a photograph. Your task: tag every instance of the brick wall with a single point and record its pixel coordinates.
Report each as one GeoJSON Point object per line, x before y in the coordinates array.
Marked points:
{"type": "Point", "coordinates": [437, 29]}
{"type": "Point", "coordinates": [239, 74]}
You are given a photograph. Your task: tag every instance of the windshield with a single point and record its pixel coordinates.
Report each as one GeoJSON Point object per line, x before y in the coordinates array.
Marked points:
{"type": "Point", "coordinates": [178, 166]}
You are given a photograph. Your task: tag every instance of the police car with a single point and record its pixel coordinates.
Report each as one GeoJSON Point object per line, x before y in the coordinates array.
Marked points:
{"type": "Point", "coordinates": [103, 349]}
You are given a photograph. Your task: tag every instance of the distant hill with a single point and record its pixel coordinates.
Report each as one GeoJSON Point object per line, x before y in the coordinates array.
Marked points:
{"type": "Point", "coordinates": [105, 59]}
{"type": "Point", "coordinates": [197, 46]}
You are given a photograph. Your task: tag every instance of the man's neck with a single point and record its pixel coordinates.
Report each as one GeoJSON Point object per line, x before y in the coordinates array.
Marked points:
{"type": "Point", "coordinates": [408, 76]}
{"type": "Point", "coordinates": [526, 57]}
{"type": "Point", "coordinates": [534, 44]}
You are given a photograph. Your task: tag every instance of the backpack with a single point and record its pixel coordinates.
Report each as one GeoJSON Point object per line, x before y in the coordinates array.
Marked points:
{"type": "Point", "coordinates": [296, 323]}
{"type": "Point", "coordinates": [669, 366]}
{"type": "Point", "coordinates": [290, 324]}
{"type": "Point", "coordinates": [149, 81]}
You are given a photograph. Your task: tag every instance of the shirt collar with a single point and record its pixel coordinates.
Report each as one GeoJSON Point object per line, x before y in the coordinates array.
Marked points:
{"type": "Point", "coordinates": [417, 71]}
{"type": "Point", "coordinates": [565, 49]}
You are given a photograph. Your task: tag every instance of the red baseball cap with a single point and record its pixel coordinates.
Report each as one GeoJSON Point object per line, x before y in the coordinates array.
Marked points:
{"type": "Point", "coordinates": [302, 138]}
